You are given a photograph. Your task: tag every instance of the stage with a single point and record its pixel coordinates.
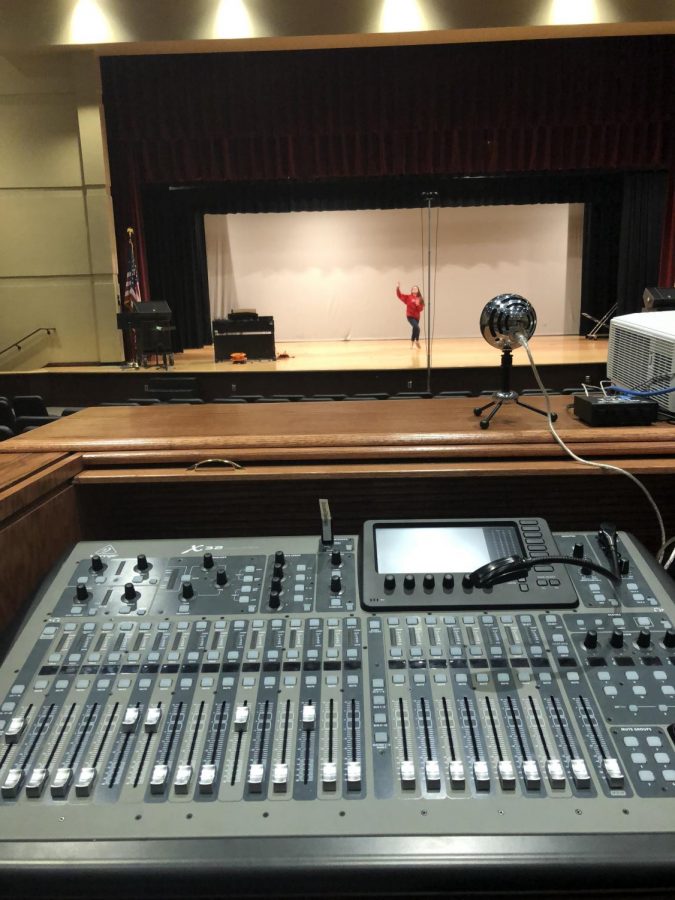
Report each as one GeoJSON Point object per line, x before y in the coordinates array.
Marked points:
{"type": "Point", "coordinates": [325, 367]}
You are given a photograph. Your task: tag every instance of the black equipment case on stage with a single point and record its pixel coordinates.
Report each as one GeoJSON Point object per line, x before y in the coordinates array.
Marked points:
{"type": "Point", "coordinates": [250, 334]}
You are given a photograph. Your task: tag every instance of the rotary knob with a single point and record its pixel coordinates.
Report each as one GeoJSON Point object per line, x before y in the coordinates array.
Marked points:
{"type": "Point", "coordinates": [409, 583]}
{"type": "Point", "coordinates": [274, 600]}
{"type": "Point", "coordinates": [335, 584]}
{"type": "Point", "coordinates": [616, 639]}
{"type": "Point", "coordinates": [429, 582]}
{"type": "Point", "coordinates": [187, 591]}
{"type": "Point", "coordinates": [644, 639]}
{"type": "Point", "coordinates": [277, 570]}
{"type": "Point", "coordinates": [129, 595]}
{"type": "Point", "coordinates": [578, 551]}
{"type": "Point", "coordinates": [279, 557]}
{"type": "Point", "coordinates": [466, 581]}
{"type": "Point", "coordinates": [221, 577]}
{"type": "Point", "coordinates": [208, 561]}
{"type": "Point", "coordinates": [389, 583]}
{"type": "Point", "coordinates": [335, 558]}
{"type": "Point", "coordinates": [142, 563]}
{"type": "Point", "coordinates": [276, 584]}
{"type": "Point", "coordinates": [669, 638]}
{"type": "Point", "coordinates": [82, 594]}
{"type": "Point", "coordinates": [448, 581]}
{"type": "Point", "coordinates": [97, 563]}
{"type": "Point", "coordinates": [591, 639]}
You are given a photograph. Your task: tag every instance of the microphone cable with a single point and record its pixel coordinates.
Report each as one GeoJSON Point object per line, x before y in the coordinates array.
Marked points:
{"type": "Point", "coordinates": [598, 465]}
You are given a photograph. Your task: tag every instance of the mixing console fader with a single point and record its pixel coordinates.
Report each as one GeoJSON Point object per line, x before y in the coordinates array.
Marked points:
{"type": "Point", "coordinates": [390, 704]}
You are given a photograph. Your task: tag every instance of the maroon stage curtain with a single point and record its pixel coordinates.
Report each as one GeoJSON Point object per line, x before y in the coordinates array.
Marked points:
{"type": "Point", "coordinates": [600, 104]}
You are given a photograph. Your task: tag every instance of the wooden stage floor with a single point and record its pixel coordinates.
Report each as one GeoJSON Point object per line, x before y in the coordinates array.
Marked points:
{"type": "Point", "coordinates": [365, 356]}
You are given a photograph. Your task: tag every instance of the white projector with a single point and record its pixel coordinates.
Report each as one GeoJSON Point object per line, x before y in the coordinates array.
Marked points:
{"type": "Point", "coordinates": [641, 353]}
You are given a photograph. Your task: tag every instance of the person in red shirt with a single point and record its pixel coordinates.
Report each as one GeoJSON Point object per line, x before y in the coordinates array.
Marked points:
{"type": "Point", "coordinates": [414, 304]}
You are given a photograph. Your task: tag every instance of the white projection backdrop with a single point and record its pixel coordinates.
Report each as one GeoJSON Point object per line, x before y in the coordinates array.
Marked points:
{"type": "Point", "coordinates": [332, 275]}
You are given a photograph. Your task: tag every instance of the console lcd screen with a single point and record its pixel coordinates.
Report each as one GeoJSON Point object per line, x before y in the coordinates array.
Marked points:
{"type": "Point", "coordinates": [442, 548]}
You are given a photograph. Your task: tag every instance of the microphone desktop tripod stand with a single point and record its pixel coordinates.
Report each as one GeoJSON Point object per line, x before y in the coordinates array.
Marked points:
{"type": "Point", "coordinates": [505, 394]}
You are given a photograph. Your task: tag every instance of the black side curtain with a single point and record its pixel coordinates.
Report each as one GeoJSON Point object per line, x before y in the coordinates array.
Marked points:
{"type": "Point", "coordinates": [642, 220]}
{"type": "Point", "coordinates": [176, 254]}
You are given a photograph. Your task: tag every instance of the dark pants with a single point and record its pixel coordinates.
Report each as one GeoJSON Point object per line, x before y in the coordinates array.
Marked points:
{"type": "Point", "coordinates": [415, 324]}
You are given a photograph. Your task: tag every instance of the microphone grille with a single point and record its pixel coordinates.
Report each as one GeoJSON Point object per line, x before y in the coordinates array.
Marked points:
{"type": "Point", "coordinates": [504, 318]}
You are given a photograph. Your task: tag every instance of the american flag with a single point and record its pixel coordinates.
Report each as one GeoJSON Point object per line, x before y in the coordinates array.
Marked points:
{"type": "Point", "coordinates": [132, 288]}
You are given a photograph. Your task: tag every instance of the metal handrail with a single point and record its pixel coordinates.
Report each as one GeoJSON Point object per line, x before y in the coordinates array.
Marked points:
{"type": "Point", "coordinates": [18, 343]}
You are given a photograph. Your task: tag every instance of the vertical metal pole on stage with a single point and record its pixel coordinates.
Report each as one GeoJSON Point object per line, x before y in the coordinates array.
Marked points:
{"type": "Point", "coordinates": [429, 196]}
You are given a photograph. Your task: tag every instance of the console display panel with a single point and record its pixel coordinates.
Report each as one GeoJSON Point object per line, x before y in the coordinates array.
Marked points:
{"type": "Point", "coordinates": [443, 547]}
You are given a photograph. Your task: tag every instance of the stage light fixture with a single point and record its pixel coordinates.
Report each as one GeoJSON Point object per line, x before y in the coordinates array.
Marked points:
{"type": "Point", "coordinates": [504, 322]}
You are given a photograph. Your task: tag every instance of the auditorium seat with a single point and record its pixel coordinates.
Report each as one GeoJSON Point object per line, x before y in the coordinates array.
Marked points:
{"type": "Point", "coordinates": [330, 396]}
{"type": "Point", "coordinates": [454, 394]}
{"type": "Point", "coordinates": [69, 410]}
{"type": "Point", "coordinates": [272, 400]}
{"type": "Point", "coordinates": [7, 417]}
{"type": "Point", "coordinates": [318, 400]}
{"type": "Point", "coordinates": [191, 400]}
{"type": "Point", "coordinates": [29, 405]}
{"type": "Point", "coordinates": [228, 400]}
{"type": "Point", "coordinates": [144, 401]}
{"type": "Point", "coordinates": [250, 398]}
{"type": "Point", "coordinates": [5, 433]}
{"type": "Point", "coordinates": [117, 403]}
{"type": "Point", "coordinates": [25, 423]}
{"type": "Point", "coordinates": [373, 396]}
{"type": "Point", "coordinates": [292, 397]}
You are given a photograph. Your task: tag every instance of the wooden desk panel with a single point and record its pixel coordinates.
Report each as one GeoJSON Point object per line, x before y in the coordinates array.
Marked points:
{"type": "Point", "coordinates": [333, 428]}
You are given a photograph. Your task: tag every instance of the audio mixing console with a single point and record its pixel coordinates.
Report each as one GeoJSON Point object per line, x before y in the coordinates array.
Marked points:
{"type": "Point", "coordinates": [296, 712]}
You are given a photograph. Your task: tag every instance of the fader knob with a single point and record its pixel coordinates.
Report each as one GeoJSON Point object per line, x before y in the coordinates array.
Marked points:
{"type": "Point", "coordinates": [129, 593]}
{"type": "Point", "coordinates": [221, 577]}
{"type": "Point", "coordinates": [335, 558]}
{"type": "Point", "coordinates": [274, 600]}
{"type": "Point", "coordinates": [208, 561]}
{"type": "Point", "coordinates": [644, 639]}
{"type": "Point", "coordinates": [82, 594]}
{"type": "Point", "coordinates": [578, 551]}
{"type": "Point", "coordinates": [187, 591]}
{"type": "Point", "coordinates": [96, 563]}
{"type": "Point", "coordinates": [142, 562]}
{"type": "Point", "coordinates": [409, 582]}
{"type": "Point", "coordinates": [429, 582]}
{"type": "Point", "coordinates": [669, 638]}
{"type": "Point", "coordinates": [591, 639]}
{"type": "Point", "coordinates": [448, 581]}
{"type": "Point", "coordinates": [279, 557]}
{"type": "Point", "coordinates": [616, 639]}
{"type": "Point", "coordinates": [335, 584]}
{"type": "Point", "coordinates": [624, 566]}
{"type": "Point", "coordinates": [389, 582]}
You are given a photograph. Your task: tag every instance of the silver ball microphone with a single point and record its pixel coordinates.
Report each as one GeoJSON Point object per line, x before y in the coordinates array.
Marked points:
{"type": "Point", "coordinates": [505, 319]}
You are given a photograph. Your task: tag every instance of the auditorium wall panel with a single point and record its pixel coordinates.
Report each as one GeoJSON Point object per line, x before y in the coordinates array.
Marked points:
{"type": "Point", "coordinates": [58, 256]}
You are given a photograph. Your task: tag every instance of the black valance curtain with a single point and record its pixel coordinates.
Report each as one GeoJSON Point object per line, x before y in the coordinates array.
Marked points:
{"type": "Point", "coordinates": [601, 104]}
